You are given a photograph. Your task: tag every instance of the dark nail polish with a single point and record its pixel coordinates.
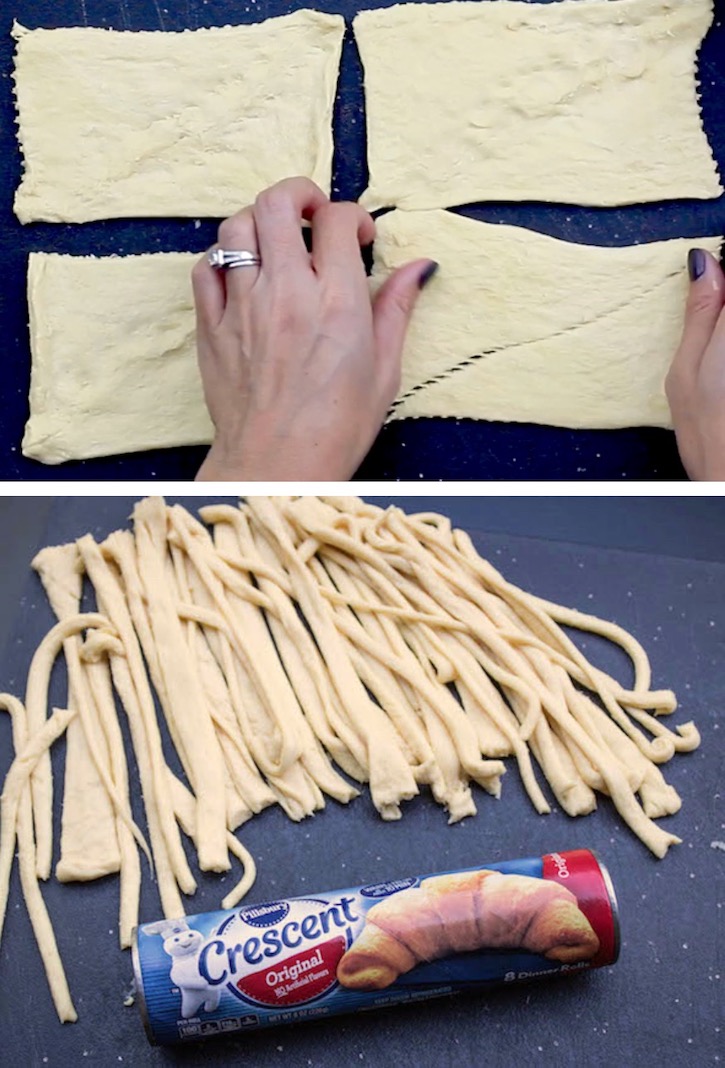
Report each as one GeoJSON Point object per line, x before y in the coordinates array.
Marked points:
{"type": "Point", "coordinates": [696, 263]}
{"type": "Point", "coordinates": [427, 273]}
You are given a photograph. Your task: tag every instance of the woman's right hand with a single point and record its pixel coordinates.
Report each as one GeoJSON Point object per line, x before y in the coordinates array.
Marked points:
{"type": "Point", "coordinates": [695, 385]}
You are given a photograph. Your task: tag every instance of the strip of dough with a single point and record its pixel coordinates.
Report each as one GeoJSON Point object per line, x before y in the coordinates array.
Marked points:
{"type": "Point", "coordinates": [265, 713]}
{"type": "Point", "coordinates": [255, 624]}
{"type": "Point", "coordinates": [16, 819]}
{"type": "Point", "coordinates": [130, 680]}
{"type": "Point", "coordinates": [113, 356]}
{"type": "Point", "coordinates": [391, 779]}
{"type": "Point", "coordinates": [195, 123]}
{"type": "Point", "coordinates": [89, 846]}
{"type": "Point", "coordinates": [521, 327]}
{"type": "Point", "coordinates": [182, 685]}
{"type": "Point", "coordinates": [36, 704]}
{"type": "Point", "coordinates": [580, 102]}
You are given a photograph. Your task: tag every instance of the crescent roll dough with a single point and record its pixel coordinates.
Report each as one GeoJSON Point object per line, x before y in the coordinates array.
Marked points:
{"type": "Point", "coordinates": [579, 102]}
{"type": "Point", "coordinates": [522, 327]}
{"type": "Point", "coordinates": [113, 356]}
{"type": "Point", "coordinates": [194, 123]}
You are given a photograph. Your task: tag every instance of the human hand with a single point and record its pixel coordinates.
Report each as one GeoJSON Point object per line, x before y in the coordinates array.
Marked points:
{"type": "Point", "coordinates": [695, 385]}
{"type": "Point", "coordinates": [299, 366]}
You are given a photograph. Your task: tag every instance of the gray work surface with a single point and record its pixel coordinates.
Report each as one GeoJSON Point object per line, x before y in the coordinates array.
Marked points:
{"type": "Point", "coordinates": [655, 566]}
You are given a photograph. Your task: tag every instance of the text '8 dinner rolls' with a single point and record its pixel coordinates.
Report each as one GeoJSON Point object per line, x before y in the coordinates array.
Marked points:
{"type": "Point", "coordinates": [462, 912]}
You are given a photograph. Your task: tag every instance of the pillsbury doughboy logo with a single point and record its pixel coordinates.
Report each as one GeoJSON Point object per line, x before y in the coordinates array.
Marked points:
{"type": "Point", "coordinates": [184, 946]}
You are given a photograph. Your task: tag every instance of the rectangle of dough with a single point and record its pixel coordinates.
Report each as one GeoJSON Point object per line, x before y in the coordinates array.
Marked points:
{"type": "Point", "coordinates": [577, 101]}
{"type": "Point", "coordinates": [521, 327]}
{"type": "Point", "coordinates": [113, 356]}
{"type": "Point", "coordinates": [195, 123]}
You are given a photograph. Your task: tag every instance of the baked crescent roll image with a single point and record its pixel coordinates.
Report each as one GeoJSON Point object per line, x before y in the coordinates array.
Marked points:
{"type": "Point", "coordinates": [461, 912]}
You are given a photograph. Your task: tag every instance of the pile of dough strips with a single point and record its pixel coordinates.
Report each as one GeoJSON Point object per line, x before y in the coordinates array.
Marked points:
{"type": "Point", "coordinates": [300, 634]}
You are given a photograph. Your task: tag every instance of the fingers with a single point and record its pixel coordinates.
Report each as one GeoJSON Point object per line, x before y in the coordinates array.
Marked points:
{"type": "Point", "coordinates": [704, 304]}
{"type": "Point", "coordinates": [209, 294]}
{"type": "Point", "coordinates": [393, 307]}
{"type": "Point", "coordinates": [239, 232]}
{"type": "Point", "coordinates": [338, 232]}
{"type": "Point", "coordinates": [277, 214]}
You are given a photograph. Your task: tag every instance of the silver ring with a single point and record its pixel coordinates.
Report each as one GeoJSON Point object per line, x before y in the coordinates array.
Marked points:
{"type": "Point", "coordinates": [224, 259]}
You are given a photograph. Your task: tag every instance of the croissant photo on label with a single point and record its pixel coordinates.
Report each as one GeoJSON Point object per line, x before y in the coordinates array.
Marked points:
{"type": "Point", "coordinates": [462, 912]}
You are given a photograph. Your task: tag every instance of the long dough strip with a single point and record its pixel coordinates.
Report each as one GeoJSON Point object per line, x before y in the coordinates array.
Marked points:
{"type": "Point", "coordinates": [546, 614]}
{"type": "Point", "coordinates": [450, 712]}
{"type": "Point", "coordinates": [396, 586]}
{"type": "Point", "coordinates": [184, 806]}
{"type": "Point", "coordinates": [306, 669]}
{"type": "Point", "coordinates": [89, 845]}
{"type": "Point", "coordinates": [215, 692]}
{"type": "Point", "coordinates": [552, 616]}
{"type": "Point", "coordinates": [156, 802]}
{"type": "Point", "coordinates": [491, 739]}
{"type": "Point", "coordinates": [658, 797]}
{"type": "Point", "coordinates": [390, 579]}
{"type": "Point", "coordinates": [99, 681]}
{"type": "Point", "coordinates": [291, 786]}
{"type": "Point", "coordinates": [129, 676]}
{"type": "Point", "coordinates": [312, 757]}
{"type": "Point", "coordinates": [380, 581]}
{"type": "Point", "coordinates": [409, 668]}
{"type": "Point", "coordinates": [329, 576]}
{"type": "Point", "coordinates": [36, 703]}
{"type": "Point", "coordinates": [361, 605]}
{"type": "Point", "coordinates": [252, 744]}
{"type": "Point", "coordinates": [656, 839]}
{"type": "Point", "coordinates": [613, 695]}
{"type": "Point", "coordinates": [120, 548]}
{"type": "Point", "coordinates": [200, 550]}
{"type": "Point", "coordinates": [663, 702]}
{"type": "Point", "coordinates": [448, 786]}
{"type": "Point", "coordinates": [580, 799]}
{"type": "Point", "coordinates": [663, 746]}
{"type": "Point", "coordinates": [580, 710]}
{"type": "Point", "coordinates": [448, 590]}
{"type": "Point", "coordinates": [446, 707]}
{"type": "Point", "coordinates": [301, 655]}
{"type": "Point", "coordinates": [391, 779]}
{"type": "Point", "coordinates": [182, 686]}
{"type": "Point", "coordinates": [16, 813]}
{"type": "Point", "coordinates": [237, 811]}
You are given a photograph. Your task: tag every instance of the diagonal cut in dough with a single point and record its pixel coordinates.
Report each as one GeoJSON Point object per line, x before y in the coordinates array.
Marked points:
{"type": "Point", "coordinates": [196, 123]}
{"type": "Point", "coordinates": [579, 102]}
{"type": "Point", "coordinates": [521, 327]}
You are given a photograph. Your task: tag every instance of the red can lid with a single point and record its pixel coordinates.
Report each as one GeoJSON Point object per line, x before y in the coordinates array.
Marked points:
{"type": "Point", "coordinates": [581, 872]}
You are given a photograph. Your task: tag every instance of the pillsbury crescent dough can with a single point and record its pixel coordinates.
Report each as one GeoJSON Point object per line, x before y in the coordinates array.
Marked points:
{"type": "Point", "coordinates": [380, 944]}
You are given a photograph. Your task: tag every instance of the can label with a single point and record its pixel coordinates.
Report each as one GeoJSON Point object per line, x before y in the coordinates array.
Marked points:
{"type": "Point", "coordinates": [379, 944]}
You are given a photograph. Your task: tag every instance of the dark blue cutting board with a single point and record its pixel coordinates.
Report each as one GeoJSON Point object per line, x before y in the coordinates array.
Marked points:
{"type": "Point", "coordinates": [413, 449]}
{"type": "Point", "coordinates": [661, 1004]}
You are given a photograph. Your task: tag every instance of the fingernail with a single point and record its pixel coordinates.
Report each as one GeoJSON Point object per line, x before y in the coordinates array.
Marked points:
{"type": "Point", "coordinates": [696, 263]}
{"type": "Point", "coordinates": [427, 273]}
